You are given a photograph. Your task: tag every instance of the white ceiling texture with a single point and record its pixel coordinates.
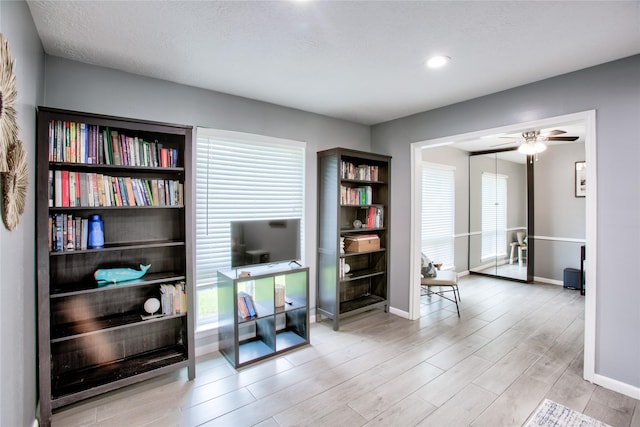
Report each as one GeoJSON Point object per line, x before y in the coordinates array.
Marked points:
{"type": "Point", "coordinates": [361, 61]}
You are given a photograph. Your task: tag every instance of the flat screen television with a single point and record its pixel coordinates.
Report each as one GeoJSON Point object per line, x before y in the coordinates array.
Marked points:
{"type": "Point", "coordinates": [264, 241]}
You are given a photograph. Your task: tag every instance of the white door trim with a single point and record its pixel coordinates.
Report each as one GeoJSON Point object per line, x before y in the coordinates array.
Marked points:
{"type": "Point", "coordinates": [589, 118]}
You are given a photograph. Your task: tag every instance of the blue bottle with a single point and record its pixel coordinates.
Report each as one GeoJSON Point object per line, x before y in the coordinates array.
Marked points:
{"type": "Point", "coordinates": [96, 232]}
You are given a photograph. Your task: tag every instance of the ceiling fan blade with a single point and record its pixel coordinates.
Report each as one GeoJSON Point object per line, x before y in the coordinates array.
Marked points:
{"type": "Point", "coordinates": [552, 132]}
{"type": "Point", "coordinates": [562, 138]}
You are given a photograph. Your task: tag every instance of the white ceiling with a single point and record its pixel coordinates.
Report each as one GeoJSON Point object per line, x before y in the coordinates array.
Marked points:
{"type": "Point", "coordinates": [358, 60]}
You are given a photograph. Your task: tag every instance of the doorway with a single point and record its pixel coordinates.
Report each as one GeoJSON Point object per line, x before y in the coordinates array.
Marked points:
{"type": "Point", "coordinates": [587, 119]}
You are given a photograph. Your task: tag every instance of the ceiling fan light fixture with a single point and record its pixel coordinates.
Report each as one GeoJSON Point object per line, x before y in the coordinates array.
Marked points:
{"type": "Point", "coordinates": [531, 147]}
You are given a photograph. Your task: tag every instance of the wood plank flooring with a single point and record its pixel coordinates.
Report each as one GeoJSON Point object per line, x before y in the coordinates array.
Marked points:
{"type": "Point", "coordinates": [513, 346]}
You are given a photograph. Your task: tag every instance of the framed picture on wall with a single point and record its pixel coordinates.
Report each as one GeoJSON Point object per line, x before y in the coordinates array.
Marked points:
{"type": "Point", "coordinates": [581, 179]}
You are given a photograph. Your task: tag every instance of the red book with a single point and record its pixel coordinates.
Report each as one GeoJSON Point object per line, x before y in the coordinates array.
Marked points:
{"type": "Point", "coordinates": [78, 192]}
{"type": "Point", "coordinates": [370, 217]}
{"type": "Point", "coordinates": [65, 188]}
{"type": "Point", "coordinates": [116, 191]}
{"type": "Point", "coordinates": [164, 157]}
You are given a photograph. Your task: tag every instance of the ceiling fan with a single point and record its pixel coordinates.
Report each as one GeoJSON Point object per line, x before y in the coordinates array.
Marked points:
{"type": "Point", "coordinates": [533, 136]}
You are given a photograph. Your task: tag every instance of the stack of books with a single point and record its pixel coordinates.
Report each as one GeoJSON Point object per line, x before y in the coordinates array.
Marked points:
{"type": "Point", "coordinates": [173, 299]}
{"type": "Point", "coordinates": [246, 306]}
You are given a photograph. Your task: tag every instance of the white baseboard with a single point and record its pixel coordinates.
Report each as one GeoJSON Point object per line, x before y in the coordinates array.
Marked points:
{"type": "Point", "coordinates": [549, 281]}
{"type": "Point", "coordinates": [206, 349]}
{"type": "Point", "coordinates": [399, 313]}
{"type": "Point", "coordinates": [617, 386]}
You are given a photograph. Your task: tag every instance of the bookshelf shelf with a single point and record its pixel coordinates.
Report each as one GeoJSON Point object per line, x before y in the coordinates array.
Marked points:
{"type": "Point", "coordinates": [97, 167]}
{"type": "Point", "coordinates": [352, 185]}
{"type": "Point", "coordinates": [92, 337]}
{"type": "Point", "coordinates": [121, 247]}
{"type": "Point", "coordinates": [106, 208]}
{"type": "Point", "coordinates": [359, 304]}
{"type": "Point", "coordinates": [275, 328]}
{"type": "Point", "coordinates": [362, 274]}
{"type": "Point", "coordinates": [98, 379]}
{"type": "Point", "coordinates": [68, 289]}
{"type": "Point", "coordinates": [75, 330]}
{"type": "Point", "coordinates": [361, 182]}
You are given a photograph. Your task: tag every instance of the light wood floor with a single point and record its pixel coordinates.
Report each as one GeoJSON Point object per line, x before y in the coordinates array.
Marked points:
{"type": "Point", "coordinates": [514, 345]}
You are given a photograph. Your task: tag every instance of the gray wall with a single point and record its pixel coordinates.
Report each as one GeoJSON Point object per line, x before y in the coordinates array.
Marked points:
{"type": "Point", "coordinates": [613, 89]}
{"type": "Point", "coordinates": [17, 289]}
{"type": "Point", "coordinates": [559, 215]}
{"type": "Point", "coordinates": [76, 86]}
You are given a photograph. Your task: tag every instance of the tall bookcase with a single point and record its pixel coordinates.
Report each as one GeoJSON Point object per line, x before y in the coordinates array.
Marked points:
{"type": "Point", "coordinates": [353, 232]}
{"type": "Point", "coordinates": [96, 337]}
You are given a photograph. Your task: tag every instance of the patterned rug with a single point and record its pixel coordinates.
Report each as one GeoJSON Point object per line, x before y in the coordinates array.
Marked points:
{"type": "Point", "coordinates": [552, 414]}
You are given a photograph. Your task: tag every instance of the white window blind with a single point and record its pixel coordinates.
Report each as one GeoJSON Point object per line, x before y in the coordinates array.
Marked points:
{"type": "Point", "coordinates": [494, 215]}
{"type": "Point", "coordinates": [438, 213]}
{"type": "Point", "coordinates": [239, 177]}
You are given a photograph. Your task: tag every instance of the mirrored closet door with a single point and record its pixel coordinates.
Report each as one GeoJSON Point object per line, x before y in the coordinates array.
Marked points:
{"type": "Point", "coordinates": [500, 220]}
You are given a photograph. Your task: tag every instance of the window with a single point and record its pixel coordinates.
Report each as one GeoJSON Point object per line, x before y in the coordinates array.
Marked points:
{"type": "Point", "coordinates": [438, 212]}
{"type": "Point", "coordinates": [238, 177]}
{"type": "Point", "coordinates": [494, 215]}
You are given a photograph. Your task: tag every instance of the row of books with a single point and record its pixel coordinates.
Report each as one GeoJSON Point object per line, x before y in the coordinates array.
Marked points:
{"type": "Point", "coordinates": [68, 233]}
{"type": "Point", "coordinates": [74, 142]}
{"type": "Point", "coordinates": [173, 299]}
{"type": "Point", "coordinates": [246, 306]}
{"type": "Point", "coordinates": [89, 189]}
{"type": "Point", "coordinates": [374, 217]}
{"type": "Point", "coordinates": [349, 170]}
{"type": "Point", "coordinates": [356, 195]}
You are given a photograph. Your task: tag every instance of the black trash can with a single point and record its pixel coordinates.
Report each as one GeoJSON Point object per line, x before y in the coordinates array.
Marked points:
{"type": "Point", "coordinates": [572, 278]}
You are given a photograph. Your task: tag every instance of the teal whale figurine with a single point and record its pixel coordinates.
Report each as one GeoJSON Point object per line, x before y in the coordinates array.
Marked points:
{"type": "Point", "coordinates": [115, 275]}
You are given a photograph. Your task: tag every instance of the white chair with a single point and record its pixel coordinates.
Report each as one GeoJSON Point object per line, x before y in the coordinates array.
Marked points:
{"type": "Point", "coordinates": [444, 282]}
{"type": "Point", "coordinates": [521, 244]}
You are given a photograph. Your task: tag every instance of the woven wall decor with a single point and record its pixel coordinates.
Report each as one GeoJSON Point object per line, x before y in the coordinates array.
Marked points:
{"type": "Point", "coordinates": [8, 95]}
{"type": "Point", "coordinates": [14, 185]}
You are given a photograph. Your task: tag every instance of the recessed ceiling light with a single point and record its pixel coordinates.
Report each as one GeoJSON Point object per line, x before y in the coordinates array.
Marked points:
{"type": "Point", "coordinates": [438, 61]}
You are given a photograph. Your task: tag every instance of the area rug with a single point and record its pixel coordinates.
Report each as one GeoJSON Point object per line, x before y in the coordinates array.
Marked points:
{"type": "Point", "coordinates": [552, 414]}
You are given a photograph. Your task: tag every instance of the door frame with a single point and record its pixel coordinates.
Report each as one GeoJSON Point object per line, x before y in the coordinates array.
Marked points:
{"type": "Point", "coordinates": [589, 119]}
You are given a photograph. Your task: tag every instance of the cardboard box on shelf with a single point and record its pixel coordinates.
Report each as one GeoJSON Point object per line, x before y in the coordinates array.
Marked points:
{"type": "Point", "coordinates": [364, 243]}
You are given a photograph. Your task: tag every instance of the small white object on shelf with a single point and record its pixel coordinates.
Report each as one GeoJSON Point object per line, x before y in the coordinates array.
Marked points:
{"type": "Point", "coordinates": [152, 305]}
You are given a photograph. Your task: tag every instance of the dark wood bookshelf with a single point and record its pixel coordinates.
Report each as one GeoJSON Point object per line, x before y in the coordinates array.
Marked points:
{"type": "Point", "coordinates": [92, 338]}
{"type": "Point", "coordinates": [365, 286]}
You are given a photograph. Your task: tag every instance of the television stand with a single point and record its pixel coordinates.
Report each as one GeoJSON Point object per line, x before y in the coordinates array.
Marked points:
{"type": "Point", "coordinates": [275, 324]}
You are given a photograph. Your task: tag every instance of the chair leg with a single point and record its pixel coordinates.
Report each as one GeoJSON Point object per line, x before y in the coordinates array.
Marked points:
{"type": "Point", "coordinates": [456, 301]}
